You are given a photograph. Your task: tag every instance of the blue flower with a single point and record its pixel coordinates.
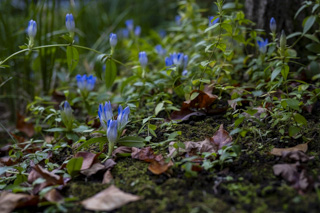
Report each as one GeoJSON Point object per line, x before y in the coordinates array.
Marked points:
{"type": "Point", "coordinates": [105, 114]}
{"type": "Point", "coordinates": [86, 83]}
{"type": "Point", "coordinates": [113, 40]}
{"type": "Point", "coordinates": [129, 24]}
{"type": "Point", "coordinates": [70, 22]}
{"type": "Point", "coordinates": [168, 61]}
{"type": "Point", "coordinates": [160, 50]}
{"type": "Point", "coordinates": [67, 109]}
{"type": "Point", "coordinates": [185, 72]}
{"type": "Point", "coordinates": [263, 45]}
{"type": "Point", "coordinates": [112, 131]}
{"type": "Point", "coordinates": [137, 31]}
{"type": "Point", "coordinates": [211, 23]}
{"type": "Point", "coordinates": [32, 29]}
{"type": "Point", "coordinates": [123, 116]}
{"type": "Point", "coordinates": [178, 20]}
{"type": "Point", "coordinates": [124, 33]}
{"type": "Point", "coordinates": [162, 33]}
{"type": "Point", "coordinates": [177, 59]}
{"type": "Point", "coordinates": [143, 59]}
{"type": "Point", "coordinates": [273, 25]}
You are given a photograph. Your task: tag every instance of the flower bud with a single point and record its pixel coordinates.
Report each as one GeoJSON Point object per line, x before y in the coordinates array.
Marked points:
{"type": "Point", "coordinates": [178, 20]}
{"type": "Point", "coordinates": [70, 24]}
{"type": "Point", "coordinates": [137, 31]}
{"type": "Point", "coordinates": [123, 117]}
{"type": "Point", "coordinates": [160, 50]}
{"type": "Point", "coordinates": [112, 131]}
{"type": "Point", "coordinates": [129, 24]}
{"type": "Point", "coordinates": [67, 116]}
{"type": "Point", "coordinates": [143, 59]}
{"type": "Point", "coordinates": [32, 29]}
{"type": "Point", "coordinates": [105, 114]}
{"type": "Point", "coordinates": [113, 40]}
{"type": "Point", "coordinates": [263, 45]}
{"type": "Point", "coordinates": [273, 25]}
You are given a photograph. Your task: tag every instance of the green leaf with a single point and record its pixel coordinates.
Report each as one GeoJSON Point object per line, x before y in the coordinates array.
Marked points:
{"type": "Point", "coordinates": [131, 141]}
{"type": "Point", "coordinates": [111, 73]}
{"type": "Point", "coordinates": [93, 141]}
{"type": "Point", "coordinates": [293, 104]}
{"type": "Point", "coordinates": [313, 47]}
{"type": "Point", "coordinates": [293, 130]}
{"type": "Point", "coordinates": [227, 6]}
{"type": "Point", "coordinates": [275, 73]}
{"type": "Point", "coordinates": [285, 72]}
{"type": "Point", "coordinates": [72, 57]}
{"type": "Point", "coordinates": [159, 107]}
{"type": "Point", "coordinates": [212, 27]}
{"type": "Point", "coordinates": [309, 23]}
{"type": "Point", "coordinates": [56, 130]}
{"type": "Point", "coordinates": [74, 166]}
{"type": "Point", "coordinates": [300, 119]}
{"type": "Point", "coordinates": [312, 37]}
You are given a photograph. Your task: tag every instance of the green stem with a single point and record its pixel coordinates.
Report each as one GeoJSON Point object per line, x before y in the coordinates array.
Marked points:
{"type": "Point", "coordinates": [110, 149]}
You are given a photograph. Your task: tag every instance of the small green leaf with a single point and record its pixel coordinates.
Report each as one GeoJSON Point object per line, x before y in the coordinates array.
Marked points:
{"type": "Point", "coordinates": [300, 119]}
{"type": "Point", "coordinates": [293, 130]}
{"type": "Point", "coordinates": [93, 141]}
{"type": "Point", "coordinates": [293, 104]}
{"type": "Point", "coordinates": [74, 166]}
{"type": "Point", "coordinates": [212, 27]}
{"type": "Point", "coordinates": [56, 130]}
{"type": "Point", "coordinates": [159, 107]}
{"type": "Point", "coordinates": [132, 141]}
{"type": "Point", "coordinates": [275, 73]}
{"type": "Point", "coordinates": [72, 57]}
{"type": "Point", "coordinates": [111, 73]}
{"type": "Point", "coordinates": [309, 23]}
{"type": "Point", "coordinates": [285, 72]}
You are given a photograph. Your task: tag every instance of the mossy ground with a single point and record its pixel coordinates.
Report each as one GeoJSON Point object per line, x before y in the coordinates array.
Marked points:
{"type": "Point", "coordinates": [246, 185]}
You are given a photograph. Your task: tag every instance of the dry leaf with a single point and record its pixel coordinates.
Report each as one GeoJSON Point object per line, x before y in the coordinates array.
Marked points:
{"type": "Point", "coordinates": [88, 159]}
{"type": "Point", "coordinates": [109, 199]}
{"type": "Point", "coordinates": [278, 151]}
{"type": "Point", "coordinates": [120, 150]}
{"type": "Point", "coordinates": [23, 126]}
{"type": "Point", "coordinates": [53, 196]}
{"type": "Point", "coordinates": [9, 201]}
{"type": "Point", "coordinates": [107, 177]}
{"type": "Point", "coordinates": [109, 164]}
{"type": "Point", "coordinates": [96, 167]}
{"type": "Point", "coordinates": [157, 162]}
{"type": "Point", "coordinates": [221, 137]}
{"type": "Point", "coordinates": [7, 161]}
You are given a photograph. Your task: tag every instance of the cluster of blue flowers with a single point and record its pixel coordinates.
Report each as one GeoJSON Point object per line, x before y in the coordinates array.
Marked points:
{"type": "Point", "coordinates": [130, 27]}
{"type": "Point", "coordinates": [179, 60]}
{"type": "Point", "coordinates": [113, 127]}
{"type": "Point", "coordinates": [86, 83]}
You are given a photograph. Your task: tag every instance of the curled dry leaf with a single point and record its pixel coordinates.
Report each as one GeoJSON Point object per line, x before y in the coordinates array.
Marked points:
{"type": "Point", "coordinates": [157, 164]}
{"type": "Point", "coordinates": [10, 201]}
{"type": "Point", "coordinates": [24, 127]}
{"type": "Point", "coordinates": [88, 159]}
{"type": "Point", "coordinates": [278, 151]}
{"type": "Point", "coordinates": [109, 199]}
{"type": "Point", "coordinates": [202, 101]}
{"type": "Point", "coordinates": [50, 177]}
{"type": "Point", "coordinates": [96, 167]}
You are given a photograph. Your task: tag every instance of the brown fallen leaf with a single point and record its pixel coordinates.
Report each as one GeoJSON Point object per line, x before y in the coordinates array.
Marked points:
{"type": "Point", "coordinates": [9, 201]}
{"type": "Point", "coordinates": [50, 177]}
{"type": "Point", "coordinates": [53, 196]}
{"type": "Point", "coordinates": [7, 160]}
{"type": "Point", "coordinates": [296, 156]}
{"type": "Point", "coordinates": [300, 147]}
{"type": "Point", "coordinates": [96, 167]}
{"type": "Point", "coordinates": [202, 101]}
{"type": "Point", "coordinates": [157, 164]}
{"type": "Point", "coordinates": [295, 174]}
{"type": "Point", "coordinates": [107, 177]}
{"type": "Point", "coordinates": [121, 150]}
{"type": "Point", "coordinates": [23, 126]}
{"type": "Point", "coordinates": [221, 137]}
{"type": "Point", "coordinates": [109, 164]}
{"type": "Point", "coordinates": [88, 159]}
{"type": "Point", "coordinates": [108, 200]}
